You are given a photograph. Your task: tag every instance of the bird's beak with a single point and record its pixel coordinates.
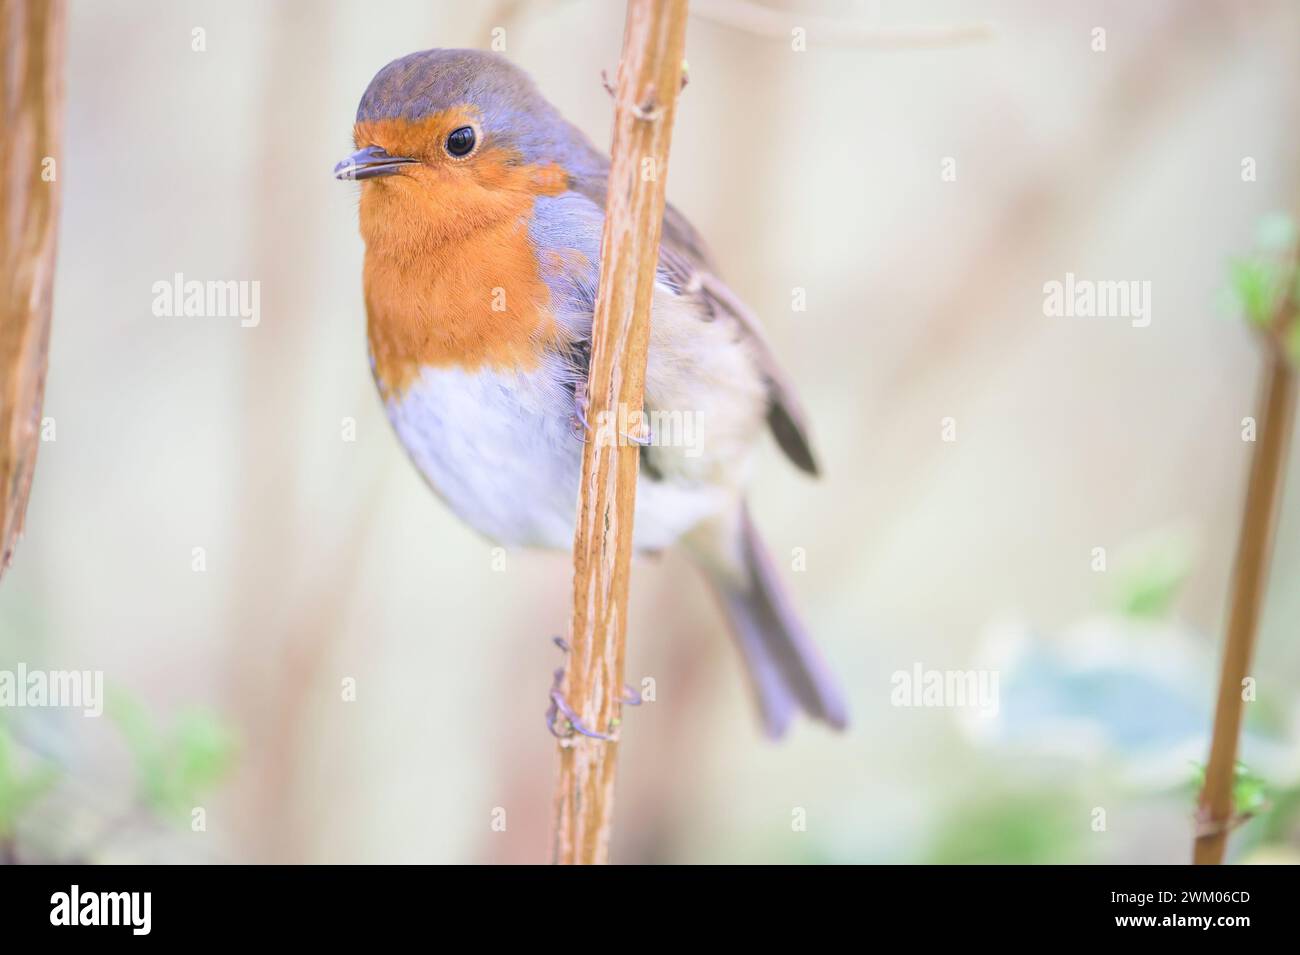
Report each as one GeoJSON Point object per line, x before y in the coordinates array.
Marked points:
{"type": "Point", "coordinates": [370, 163]}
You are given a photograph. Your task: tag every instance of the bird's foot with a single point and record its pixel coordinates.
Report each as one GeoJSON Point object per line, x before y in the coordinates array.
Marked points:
{"type": "Point", "coordinates": [580, 426]}
{"type": "Point", "coordinates": [582, 429]}
{"type": "Point", "coordinates": [572, 724]}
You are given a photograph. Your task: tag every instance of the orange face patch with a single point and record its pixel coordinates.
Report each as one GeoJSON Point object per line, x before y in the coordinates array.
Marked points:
{"type": "Point", "coordinates": [451, 274]}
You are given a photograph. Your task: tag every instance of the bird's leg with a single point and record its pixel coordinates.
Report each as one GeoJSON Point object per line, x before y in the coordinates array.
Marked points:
{"type": "Point", "coordinates": [581, 427]}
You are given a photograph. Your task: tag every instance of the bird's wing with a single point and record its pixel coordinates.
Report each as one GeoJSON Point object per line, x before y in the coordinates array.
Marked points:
{"type": "Point", "coordinates": [685, 266]}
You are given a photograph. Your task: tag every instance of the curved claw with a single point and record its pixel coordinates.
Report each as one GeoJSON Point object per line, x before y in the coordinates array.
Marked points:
{"type": "Point", "coordinates": [575, 724]}
{"type": "Point", "coordinates": [582, 427]}
{"type": "Point", "coordinates": [643, 441]}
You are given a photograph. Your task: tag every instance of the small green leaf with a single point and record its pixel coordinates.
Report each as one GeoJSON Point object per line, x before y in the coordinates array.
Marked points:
{"type": "Point", "coordinates": [1249, 792]}
{"type": "Point", "coordinates": [18, 792]}
{"type": "Point", "coordinates": [1009, 827]}
{"type": "Point", "coordinates": [1262, 282]}
{"type": "Point", "coordinates": [1249, 795]}
{"type": "Point", "coordinates": [205, 751]}
{"type": "Point", "coordinates": [1254, 286]}
{"type": "Point", "coordinates": [1149, 583]}
{"type": "Point", "coordinates": [174, 768]}
{"type": "Point", "coordinates": [141, 738]}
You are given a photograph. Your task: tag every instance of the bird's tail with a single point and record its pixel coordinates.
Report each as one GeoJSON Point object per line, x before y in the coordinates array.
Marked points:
{"type": "Point", "coordinates": [785, 668]}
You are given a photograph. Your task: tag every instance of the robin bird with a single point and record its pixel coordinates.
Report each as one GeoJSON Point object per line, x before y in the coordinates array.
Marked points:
{"type": "Point", "coordinates": [482, 209]}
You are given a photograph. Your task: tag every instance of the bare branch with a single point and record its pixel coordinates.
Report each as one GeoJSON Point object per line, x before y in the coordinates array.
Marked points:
{"type": "Point", "coordinates": [590, 694]}
{"type": "Point", "coordinates": [1215, 817]}
{"type": "Point", "coordinates": [31, 98]}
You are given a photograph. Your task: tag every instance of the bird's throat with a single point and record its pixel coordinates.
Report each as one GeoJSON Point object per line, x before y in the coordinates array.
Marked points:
{"type": "Point", "coordinates": [472, 303]}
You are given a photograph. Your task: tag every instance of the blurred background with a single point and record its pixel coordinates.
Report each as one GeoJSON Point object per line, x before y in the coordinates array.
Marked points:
{"type": "Point", "coordinates": [206, 528]}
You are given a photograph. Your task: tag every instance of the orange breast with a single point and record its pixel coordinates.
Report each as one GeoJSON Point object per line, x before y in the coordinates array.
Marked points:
{"type": "Point", "coordinates": [476, 302]}
{"type": "Point", "coordinates": [451, 275]}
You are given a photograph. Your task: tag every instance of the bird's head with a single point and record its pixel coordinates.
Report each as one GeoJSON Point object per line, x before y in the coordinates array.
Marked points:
{"type": "Point", "coordinates": [450, 141]}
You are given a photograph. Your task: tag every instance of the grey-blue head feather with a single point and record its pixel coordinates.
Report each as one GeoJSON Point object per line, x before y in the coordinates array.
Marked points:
{"type": "Point", "coordinates": [511, 110]}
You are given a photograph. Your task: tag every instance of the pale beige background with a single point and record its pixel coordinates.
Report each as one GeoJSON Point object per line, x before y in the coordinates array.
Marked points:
{"type": "Point", "coordinates": [818, 170]}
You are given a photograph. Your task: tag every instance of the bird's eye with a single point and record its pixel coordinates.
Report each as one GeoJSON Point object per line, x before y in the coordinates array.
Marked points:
{"type": "Point", "coordinates": [460, 142]}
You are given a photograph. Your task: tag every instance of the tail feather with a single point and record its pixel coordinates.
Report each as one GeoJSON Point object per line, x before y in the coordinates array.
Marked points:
{"type": "Point", "coordinates": [785, 667]}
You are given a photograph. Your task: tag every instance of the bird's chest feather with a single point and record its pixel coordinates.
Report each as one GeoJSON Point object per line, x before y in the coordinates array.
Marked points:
{"type": "Point", "coordinates": [464, 345]}
{"type": "Point", "coordinates": [476, 303]}
{"type": "Point", "coordinates": [503, 451]}
{"type": "Point", "coordinates": [498, 446]}
{"type": "Point", "coordinates": [467, 345]}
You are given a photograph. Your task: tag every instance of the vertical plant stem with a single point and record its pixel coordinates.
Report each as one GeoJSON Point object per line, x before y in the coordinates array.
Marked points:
{"type": "Point", "coordinates": [31, 100]}
{"type": "Point", "coordinates": [1250, 577]}
{"type": "Point", "coordinates": [649, 79]}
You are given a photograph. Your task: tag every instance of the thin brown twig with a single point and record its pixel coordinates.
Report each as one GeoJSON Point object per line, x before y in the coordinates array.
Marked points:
{"type": "Point", "coordinates": [649, 80]}
{"type": "Point", "coordinates": [1215, 816]}
{"type": "Point", "coordinates": [31, 99]}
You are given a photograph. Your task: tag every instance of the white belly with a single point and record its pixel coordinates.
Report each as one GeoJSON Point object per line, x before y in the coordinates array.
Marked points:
{"type": "Point", "coordinates": [500, 448]}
